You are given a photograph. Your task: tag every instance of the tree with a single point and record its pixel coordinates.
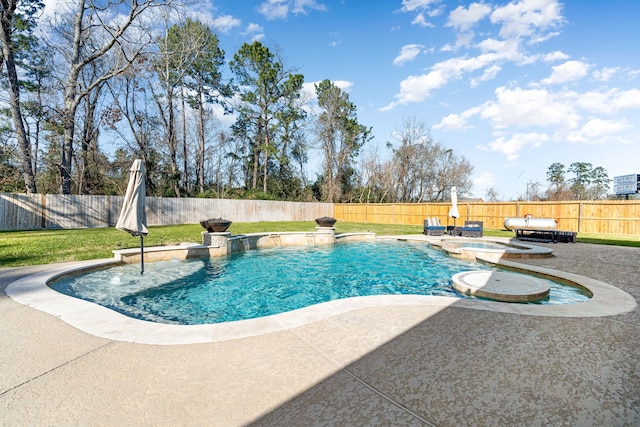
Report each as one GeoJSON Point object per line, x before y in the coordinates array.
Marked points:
{"type": "Point", "coordinates": [581, 181]}
{"type": "Point", "coordinates": [423, 169]}
{"type": "Point", "coordinates": [265, 88]}
{"type": "Point", "coordinates": [341, 137]}
{"type": "Point", "coordinates": [492, 195]}
{"type": "Point", "coordinates": [203, 78]}
{"type": "Point", "coordinates": [93, 35]}
{"type": "Point", "coordinates": [169, 63]}
{"type": "Point", "coordinates": [18, 16]}
{"type": "Point", "coordinates": [556, 177]}
{"type": "Point", "coordinates": [533, 191]}
{"type": "Point", "coordinates": [599, 183]}
{"type": "Point", "coordinates": [293, 147]}
{"type": "Point", "coordinates": [556, 174]}
{"type": "Point", "coordinates": [587, 183]}
{"type": "Point", "coordinates": [409, 167]}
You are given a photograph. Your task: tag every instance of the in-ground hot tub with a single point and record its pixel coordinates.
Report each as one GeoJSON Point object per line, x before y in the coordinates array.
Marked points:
{"type": "Point", "coordinates": [492, 248]}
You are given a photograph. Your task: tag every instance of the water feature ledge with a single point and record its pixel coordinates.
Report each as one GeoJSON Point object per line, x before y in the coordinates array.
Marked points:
{"type": "Point", "coordinates": [224, 243]}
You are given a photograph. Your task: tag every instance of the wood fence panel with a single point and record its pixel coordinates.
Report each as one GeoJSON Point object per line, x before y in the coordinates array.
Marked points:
{"type": "Point", "coordinates": [70, 211]}
{"type": "Point", "coordinates": [34, 211]}
{"type": "Point", "coordinates": [620, 217]}
{"type": "Point", "coordinates": [20, 211]}
{"type": "Point", "coordinates": [611, 217]}
{"type": "Point", "coordinates": [492, 214]}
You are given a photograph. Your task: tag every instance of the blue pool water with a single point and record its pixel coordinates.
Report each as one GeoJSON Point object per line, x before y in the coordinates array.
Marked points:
{"type": "Point", "coordinates": [269, 281]}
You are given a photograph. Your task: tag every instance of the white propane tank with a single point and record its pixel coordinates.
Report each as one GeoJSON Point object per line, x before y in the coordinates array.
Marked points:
{"type": "Point", "coordinates": [530, 223]}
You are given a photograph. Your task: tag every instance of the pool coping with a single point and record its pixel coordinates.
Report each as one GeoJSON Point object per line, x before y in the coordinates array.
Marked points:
{"type": "Point", "coordinates": [32, 291]}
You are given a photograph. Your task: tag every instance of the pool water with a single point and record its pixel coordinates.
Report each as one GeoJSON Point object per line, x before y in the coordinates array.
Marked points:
{"type": "Point", "coordinates": [263, 282]}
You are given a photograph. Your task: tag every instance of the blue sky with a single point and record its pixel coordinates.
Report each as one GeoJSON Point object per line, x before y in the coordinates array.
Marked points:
{"type": "Point", "coordinates": [514, 86]}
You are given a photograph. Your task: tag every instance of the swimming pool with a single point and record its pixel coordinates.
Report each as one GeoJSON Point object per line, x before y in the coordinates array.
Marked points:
{"type": "Point", "coordinates": [264, 282]}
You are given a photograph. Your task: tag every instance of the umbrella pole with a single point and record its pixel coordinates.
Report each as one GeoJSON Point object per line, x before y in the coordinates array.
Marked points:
{"type": "Point", "coordinates": [141, 254]}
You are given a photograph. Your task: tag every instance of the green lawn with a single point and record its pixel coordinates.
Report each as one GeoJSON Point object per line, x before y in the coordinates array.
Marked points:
{"type": "Point", "coordinates": [21, 248]}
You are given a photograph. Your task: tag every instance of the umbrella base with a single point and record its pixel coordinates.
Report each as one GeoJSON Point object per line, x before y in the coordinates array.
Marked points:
{"type": "Point", "coordinates": [454, 231]}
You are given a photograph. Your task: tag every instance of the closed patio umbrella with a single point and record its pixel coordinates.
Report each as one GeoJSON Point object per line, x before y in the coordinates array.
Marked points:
{"type": "Point", "coordinates": [453, 212]}
{"type": "Point", "coordinates": [133, 218]}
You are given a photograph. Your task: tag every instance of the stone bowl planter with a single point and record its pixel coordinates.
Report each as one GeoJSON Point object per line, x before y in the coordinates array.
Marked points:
{"type": "Point", "coordinates": [326, 221]}
{"type": "Point", "coordinates": [215, 225]}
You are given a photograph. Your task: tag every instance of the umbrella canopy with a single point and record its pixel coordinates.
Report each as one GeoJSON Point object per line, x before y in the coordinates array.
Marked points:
{"type": "Point", "coordinates": [133, 218]}
{"type": "Point", "coordinates": [453, 212]}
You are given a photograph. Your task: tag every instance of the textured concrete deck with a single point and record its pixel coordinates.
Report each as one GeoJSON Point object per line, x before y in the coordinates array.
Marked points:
{"type": "Point", "coordinates": [398, 365]}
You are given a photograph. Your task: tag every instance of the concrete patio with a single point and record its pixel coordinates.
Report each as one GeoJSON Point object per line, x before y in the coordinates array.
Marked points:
{"type": "Point", "coordinates": [387, 365]}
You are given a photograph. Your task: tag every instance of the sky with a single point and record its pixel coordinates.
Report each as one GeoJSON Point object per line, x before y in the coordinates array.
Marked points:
{"type": "Point", "coordinates": [513, 86]}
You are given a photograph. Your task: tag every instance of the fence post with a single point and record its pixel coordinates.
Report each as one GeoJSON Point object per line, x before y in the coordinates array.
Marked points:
{"type": "Point", "coordinates": [580, 217]}
{"type": "Point", "coordinates": [43, 211]}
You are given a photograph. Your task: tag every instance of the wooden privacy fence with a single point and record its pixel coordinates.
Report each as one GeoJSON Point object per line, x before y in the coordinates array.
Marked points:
{"type": "Point", "coordinates": [39, 211]}
{"type": "Point", "coordinates": [598, 217]}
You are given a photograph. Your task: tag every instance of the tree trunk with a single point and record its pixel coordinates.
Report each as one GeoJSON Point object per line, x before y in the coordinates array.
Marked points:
{"type": "Point", "coordinates": [185, 177]}
{"type": "Point", "coordinates": [172, 143]}
{"type": "Point", "coordinates": [201, 151]}
{"type": "Point", "coordinates": [67, 145]}
{"type": "Point", "coordinates": [266, 162]}
{"type": "Point", "coordinates": [86, 184]}
{"type": "Point", "coordinates": [14, 100]}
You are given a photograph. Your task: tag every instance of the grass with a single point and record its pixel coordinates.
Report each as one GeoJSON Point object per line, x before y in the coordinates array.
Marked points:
{"type": "Point", "coordinates": [23, 248]}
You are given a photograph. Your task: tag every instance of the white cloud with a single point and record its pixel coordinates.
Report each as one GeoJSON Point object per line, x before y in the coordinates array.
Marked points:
{"type": "Point", "coordinates": [627, 99]}
{"type": "Point", "coordinates": [413, 5]}
{"type": "Point", "coordinates": [598, 131]}
{"type": "Point", "coordinates": [253, 28]}
{"type": "Point", "coordinates": [279, 9]}
{"type": "Point", "coordinates": [555, 56]}
{"type": "Point", "coordinates": [512, 146]}
{"type": "Point", "coordinates": [464, 19]}
{"type": "Point", "coordinates": [632, 74]}
{"type": "Point", "coordinates": [408, 53]}
{"type": "Point", "coordinates": [301, 6]}
{"type": "Point", "coordinates": [559, 114]}
{"type": "Point", "coordinates": [422, 9]}
{"type": "Point", "coordinates": [274, 9]}
{"type": "Point", "coordinates": [527, 18]}
{"type": "Point", "coordinates": [422, 21]}
{"type": "Point", "coordinates": [226, 23]}
{"type": "Point", "coordinates": [535, 107]}
{"type": "Point", "coordinates": [610, 102]}
{"type": "Point", "coordinates": [489, 74]}
{"type": "Point", "coordinates": [254, 31]}
{"type": "Point", "coordinates": [605, 74]}
{"type": "Point", "coordinates": [451, 122]}
{"type": "Point", "coordinates": [419, 88]}
{"type": "Point", "coordinates": [567, 72]}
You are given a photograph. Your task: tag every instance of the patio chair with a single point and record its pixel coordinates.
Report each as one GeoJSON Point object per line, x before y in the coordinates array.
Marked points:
{"type": "Point", "coordinates": [472, 229]}
{"type": "Point", "coordinates": [432, 227]}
